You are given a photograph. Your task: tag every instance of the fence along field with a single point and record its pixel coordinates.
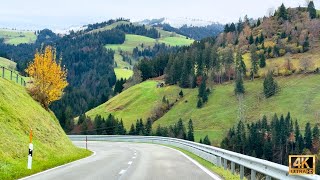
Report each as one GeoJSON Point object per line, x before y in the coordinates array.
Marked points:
{"type": "Point", "coordinates": [12, 75]}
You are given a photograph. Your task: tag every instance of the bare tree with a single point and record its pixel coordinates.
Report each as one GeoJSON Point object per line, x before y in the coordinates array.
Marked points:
{"type": "Point", "coordinates": [306, 63]}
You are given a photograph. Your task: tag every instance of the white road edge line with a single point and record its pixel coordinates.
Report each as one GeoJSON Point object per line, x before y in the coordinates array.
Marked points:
{"type": "Point", "coordinates": [214, 176]}
{"type": "Point", "coordinates": [48, 170]}
{"type": "Point", "coordinates": [122, 171]}
{"type": "Point", "coordinates": [130, 162]}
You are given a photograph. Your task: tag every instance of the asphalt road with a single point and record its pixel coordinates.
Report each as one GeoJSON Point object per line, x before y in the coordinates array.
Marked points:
{"type": "Point", "coordinates": [129, 161]}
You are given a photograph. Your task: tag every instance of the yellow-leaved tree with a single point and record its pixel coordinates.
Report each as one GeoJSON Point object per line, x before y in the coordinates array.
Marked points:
{"type": "Point", "coordinates": [48, 76]}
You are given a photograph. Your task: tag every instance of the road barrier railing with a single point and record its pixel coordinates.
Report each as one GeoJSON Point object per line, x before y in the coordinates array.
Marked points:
{"type": "Point", "coordinates": [217, 156]}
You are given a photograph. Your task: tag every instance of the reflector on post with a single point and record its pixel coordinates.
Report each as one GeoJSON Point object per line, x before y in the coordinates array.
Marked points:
{"type": "Point", "coordinates": [30, 151]}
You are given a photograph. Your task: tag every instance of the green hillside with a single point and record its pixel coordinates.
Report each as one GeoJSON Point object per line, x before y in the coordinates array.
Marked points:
{"type": "Point", "coordinates": [17, 37]}
{"type": "Point", "coordinates": [18, 113]}
{"type": "Point", "coordinates": [136, 102]}
{"type": "Point", "coordinates": [298, 95]}
{"type": "Point", "coordinates": [8, 64]}
{"type": "Point", "coordinates": [132, 41]}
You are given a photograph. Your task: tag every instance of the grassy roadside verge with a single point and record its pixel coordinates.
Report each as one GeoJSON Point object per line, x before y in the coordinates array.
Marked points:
{"type": "Point", "coordinates": [19, 170]}
{"type": "Point", "coordinates": [218, 170]}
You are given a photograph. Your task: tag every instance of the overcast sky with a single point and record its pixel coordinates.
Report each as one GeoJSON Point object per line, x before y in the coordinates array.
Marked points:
{"type": "Point", "coordinates": [66, 13]}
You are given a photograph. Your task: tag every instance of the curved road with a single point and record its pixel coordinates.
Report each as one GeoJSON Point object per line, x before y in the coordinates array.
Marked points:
{"type": "Point", "coordinates": [126, 161]}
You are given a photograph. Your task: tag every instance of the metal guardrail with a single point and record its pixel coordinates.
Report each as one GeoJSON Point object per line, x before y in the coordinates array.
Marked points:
{"type": "Point", "coordinates": [217, 156]}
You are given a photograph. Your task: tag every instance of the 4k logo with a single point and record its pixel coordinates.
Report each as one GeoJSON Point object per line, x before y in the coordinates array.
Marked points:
{"type": "Point", "coordinates": [302, 164]}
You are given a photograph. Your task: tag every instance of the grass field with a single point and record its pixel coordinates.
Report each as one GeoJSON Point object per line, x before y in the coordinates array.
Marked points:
{"type": "Point", "coordinates": [176, 41]}
{"type": "Point", "coordinates": [18, 113]}
{"type": "Point", "coordinates": [123, 73]}
{"type": "Point", "coordinates": [298, 95]}
{"type": "Point", "coordinates": [131, 42]}
{"type": "Point", "coordinates": [17, 37]}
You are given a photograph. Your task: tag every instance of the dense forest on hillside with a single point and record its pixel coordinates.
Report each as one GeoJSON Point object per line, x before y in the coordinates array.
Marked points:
{"type": "Point", "coordinates": [90, 71]}
{"type": "Point", "coordinates": [91, 27]}
{"type": "Point", "coordinates": [274, 140]}
{"type": "Point", "coordinates": [288, 31]}
{"type": "Point", "coordinates": [139, 30]}
{"type": "Point", "coordinates": [195, 32]}
{"type": "Point", "coordinates": [153, 51]}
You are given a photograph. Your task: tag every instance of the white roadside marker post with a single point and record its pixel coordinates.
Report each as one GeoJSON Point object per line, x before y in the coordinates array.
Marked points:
{"type": "Point", "coordinates": [30, 151]}
{"type": "Point", "coordinates": [86, 142]}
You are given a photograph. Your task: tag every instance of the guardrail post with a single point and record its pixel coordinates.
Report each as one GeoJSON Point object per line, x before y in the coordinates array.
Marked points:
{"type": "Point", "coordinates": [219, 161]}
{"type": "Point", "coordinates": [268, 177]}
{"type": "Point", "coordinates": [253, 174]}
{"type": "Point", "coordinates": [225, 163]}
{"type": "Point", "coordinates": [11, 75]}
{"type": "Point", "coordinates": [17, 79]}
{"type": "Point", "coordinates": [233, 167]}
{"type": "Point", "coordinates": [2, 72]}
{"type": "Point", "coordinates": [21, 81]}
{"type": "Point", "coordinates": [241, 172]}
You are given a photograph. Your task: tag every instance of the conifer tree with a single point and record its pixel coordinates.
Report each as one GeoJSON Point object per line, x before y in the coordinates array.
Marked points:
{"type": "Point", "coordinates": [206, 140]}
{"type": "Point", "coordinates": [267, 150]}
{"type": "Point", "coordinates": [122, 130]}
{"type": "Point", "coordinates": [132, 130]}
{"type": "Point", "coordinates": [148, 129]}
{"type": "Point", "coordinates": [312, 10]}
{"type": "Point", "coordinates": [203, 93]}
{"type": "Point", "coordinates": [82, 118]}
{"type": "Point", "coordinates": [240, 65]}
{"type": "Point", "coordinates": [258, 22]}
{"type": "Point", "coordinates": [190, 131]}
{"type": "Point", "coordinates": [239, 88]}
{"type": "Point", "coordinates": [269, 86]}
{"type": "Point", "coordinates": [261, 39]}
{"type": "Point", "coordinates": [305, 45]}
{"type": "Point", "coordinates": [254, 60]}
{"type": "Point", "coordinates": [283, 13]}
{"type": "Point", "coordinates": [315, 140]}
{"type": "Point", "coordinates": [308, 136]}
{"type": "Point", "coordinates": [251, 40]}
{"type": "Point", "coordinates": [181, 94]}
{"type": "Point", "coordinates": [199, 103]}
{"type": "Point", "coordinates": [262, 63]}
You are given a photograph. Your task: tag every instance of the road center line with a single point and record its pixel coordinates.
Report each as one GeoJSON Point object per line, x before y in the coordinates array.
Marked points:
{"type": "Point", "coordinates": [130, 162]}
{"type": "Point", "coordinates": [122, 171]}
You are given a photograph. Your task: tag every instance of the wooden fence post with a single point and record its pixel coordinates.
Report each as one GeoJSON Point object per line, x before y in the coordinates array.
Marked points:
{"type": "Point", "coordinates": [2, 72]}
{"type": "Point", "coordinates": [11, 75]}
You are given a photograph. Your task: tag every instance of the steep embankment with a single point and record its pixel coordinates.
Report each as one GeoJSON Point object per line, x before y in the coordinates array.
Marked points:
{"type": "Point", "coordinates": [18, 113]}
{"type": "Point", "coordinates": [298, 94]}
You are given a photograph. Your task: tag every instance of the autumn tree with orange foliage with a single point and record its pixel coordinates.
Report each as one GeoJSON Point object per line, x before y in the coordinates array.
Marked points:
{"type": "Point", "coordinates": [48, 76]}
